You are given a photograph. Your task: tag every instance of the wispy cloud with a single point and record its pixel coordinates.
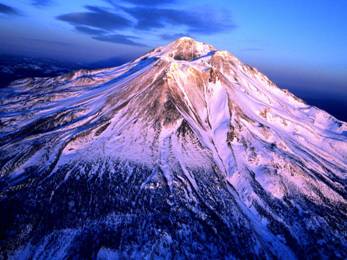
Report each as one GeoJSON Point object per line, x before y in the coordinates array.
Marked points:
{"type": "Point", "coordinates": [89, 30]}
{"type": "Point", "coordinates": [109, 24]}
{"type": "Point", "coordinates": [101, 24]}
{"type": "Point", "coordinates": [142, 2]}
{"type": "Point", "coordinates": [8, 10]}
{"type": "Point", "coordinates": [121, 39]}
{"type": "Point", "coordinates": [201, 22]}
{"type": "Point", "coordinates": [96, 17]}
{"type": "Point", "coordinates": [41, 3]}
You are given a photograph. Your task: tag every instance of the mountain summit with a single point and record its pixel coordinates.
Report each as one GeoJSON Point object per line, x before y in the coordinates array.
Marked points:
{"type": "Point", "coordinates": [183, 152]}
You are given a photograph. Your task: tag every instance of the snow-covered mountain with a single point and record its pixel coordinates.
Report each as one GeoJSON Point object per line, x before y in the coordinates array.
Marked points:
{"type": "Point", "coordinates": [184, 152]}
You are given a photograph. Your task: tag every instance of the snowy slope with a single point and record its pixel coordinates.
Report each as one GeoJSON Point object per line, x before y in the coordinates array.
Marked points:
{"type": "Point", "coordinates": [184, 152]}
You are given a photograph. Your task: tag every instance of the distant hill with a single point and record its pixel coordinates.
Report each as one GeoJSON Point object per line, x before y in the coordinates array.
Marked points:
{"type": "Point", "coordinates": [14, 67]}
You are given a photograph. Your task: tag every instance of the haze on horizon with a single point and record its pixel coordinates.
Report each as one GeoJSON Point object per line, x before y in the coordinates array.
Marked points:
{"type": "Point", "coordinates": [296, 43]}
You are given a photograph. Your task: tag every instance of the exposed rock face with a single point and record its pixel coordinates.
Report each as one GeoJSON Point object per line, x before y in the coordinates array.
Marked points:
{"type": "Point", "coordinates": [184, 152]}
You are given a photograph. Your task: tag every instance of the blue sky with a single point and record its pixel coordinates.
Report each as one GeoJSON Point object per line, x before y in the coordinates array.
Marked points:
{"type": "Point", "coordinates": [301, 43]}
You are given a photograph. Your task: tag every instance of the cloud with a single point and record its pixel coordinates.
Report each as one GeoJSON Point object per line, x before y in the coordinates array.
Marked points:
{"type": "Point", "coordinates": [96, 17]}
{"type": "Point", "coordinates": [89, 30]}
{"type": "Point", "coordinates": [41, 3]}
{"type": "Point", "coordinates": [121, 39]}
{"type": "Point", "coordinates": [143, 2]}
{"type": "Point", "coordinates": [108, 25]}
{"type": "Point", "coordinates": [6, 9]}
{"type": "Point", "coordinates": [150, 14]}
{"type": "Point", "coordinates": [101, 24]}
{"type": "Point", "coordinates": [202, 22]}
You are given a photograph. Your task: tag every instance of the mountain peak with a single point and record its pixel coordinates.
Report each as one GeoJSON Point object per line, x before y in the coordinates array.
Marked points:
{"type": "Point", "coordinates": [185, 38]}
{"type": "Point", "coordinates": [186, 48]}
